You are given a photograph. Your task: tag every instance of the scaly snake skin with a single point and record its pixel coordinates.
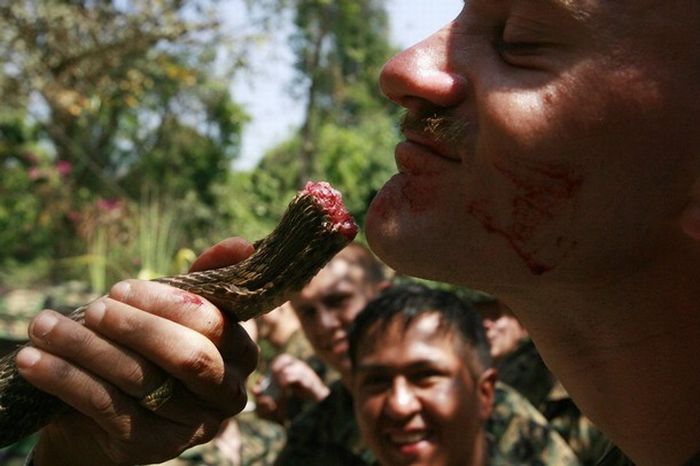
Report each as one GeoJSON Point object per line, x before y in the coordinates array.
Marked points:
{"type": "Point", "coordinates": [313, 229]}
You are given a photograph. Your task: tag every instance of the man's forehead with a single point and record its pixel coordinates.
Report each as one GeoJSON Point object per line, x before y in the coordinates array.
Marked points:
{"type": "Point", "coordinates": [574, 6]}
{"type": "Point", "coordinates": [337, 274]}
{"type": "Point", "coordinates": [339, 267]}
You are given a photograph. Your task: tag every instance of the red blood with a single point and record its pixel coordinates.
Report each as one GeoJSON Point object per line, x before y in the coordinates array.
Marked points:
{"type": "Point", "coordinates": [331, 201]}
{"type": "Point", "coordinates": [542, 193]}
{"type": "Point", "coordinates": [189, 298]}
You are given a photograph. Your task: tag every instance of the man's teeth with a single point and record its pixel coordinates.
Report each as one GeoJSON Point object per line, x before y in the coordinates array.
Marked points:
{"type": "Point", "coordinates": [407, 438]}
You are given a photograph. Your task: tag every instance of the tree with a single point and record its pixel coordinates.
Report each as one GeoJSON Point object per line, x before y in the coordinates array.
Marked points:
{"type": "Point", "coordinates": [349, 128]}
{"type": "Point", "coordinates": [108, 81]}
{"type": "Point", "coordinates": [110, 98]}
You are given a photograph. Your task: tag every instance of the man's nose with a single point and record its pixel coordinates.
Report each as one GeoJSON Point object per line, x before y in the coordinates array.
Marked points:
{"type": "Point", "coordinates": [401, 401]}
{"type": "Point", "coordinates": [421, 77]}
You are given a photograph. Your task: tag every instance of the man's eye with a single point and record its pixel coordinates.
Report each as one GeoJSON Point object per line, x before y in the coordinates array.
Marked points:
{"type": "Point", "coordinates": [375, 381]}
{"type": "Point", "coordinates": [522, 54]}
{"type": "Point", "coordinates": [518, 48]}
{"type": "Point", "coordinates": [307, 312]}
{"type": "Point", "coordinates": [336, 301]}
{"type": "Point", "coordinates": [424, 376]}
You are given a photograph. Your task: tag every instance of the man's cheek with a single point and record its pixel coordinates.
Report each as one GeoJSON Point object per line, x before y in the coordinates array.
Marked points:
{"type": "Point", "coordinates": [538, 197]}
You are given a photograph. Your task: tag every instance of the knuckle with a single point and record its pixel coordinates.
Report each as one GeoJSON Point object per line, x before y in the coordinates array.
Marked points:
{"type": "Point", "coordinates": [102, 404]}
{"type": "Point", "coordinates": [200, 364]}
{"type": "Point", "coordinates": [136, 380]}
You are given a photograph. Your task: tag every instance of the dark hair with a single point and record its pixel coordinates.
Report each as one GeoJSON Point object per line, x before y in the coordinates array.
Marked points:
{"type": "Point", "coordinates": [409, 302]}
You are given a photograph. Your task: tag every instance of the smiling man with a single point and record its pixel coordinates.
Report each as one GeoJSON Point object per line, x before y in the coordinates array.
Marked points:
{"type": "Point", "coordinates": [422, 380]}
{"type": "Point", "coordinates": [552, 159]}
{"type": "Point", "coordinates": [327, 434]}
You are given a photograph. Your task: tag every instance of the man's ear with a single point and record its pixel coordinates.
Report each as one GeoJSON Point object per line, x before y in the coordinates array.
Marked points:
{"type": "Point", "coordinates": [690, 217]}
{"type": "Point", "coordinates": [486, 389]}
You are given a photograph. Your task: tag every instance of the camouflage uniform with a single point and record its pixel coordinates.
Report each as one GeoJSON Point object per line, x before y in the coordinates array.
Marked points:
{"type": "Point", "coordinates": [525, 371]}
{"type": "Point", "coordinates": [522, 433]}
{"type": "Point", "coordinates": [326, 435]}
{"type": "Point", "coordinates": [260, 441]}
{"type": "Point", "coordinates": [329, 435]}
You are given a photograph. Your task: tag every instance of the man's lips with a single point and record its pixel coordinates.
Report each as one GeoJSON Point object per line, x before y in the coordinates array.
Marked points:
{"type": "Point", "coordinates": [410, 443]}
{"type": "Point", "coordinates": [436, 147]}
{"type": "Point", "coordinates": [415, 157]}
{"type": "Point", "coordinates": [407, 438]}
{"type": "Point", "coordinates": [337, 345]}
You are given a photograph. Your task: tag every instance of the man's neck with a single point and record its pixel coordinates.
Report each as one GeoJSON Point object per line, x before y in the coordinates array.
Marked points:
{"type": "Point", "coordinates": [629, 354]}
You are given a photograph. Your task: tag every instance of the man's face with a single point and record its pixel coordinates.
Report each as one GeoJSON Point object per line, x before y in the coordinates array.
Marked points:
{"type": "Point", "coordinates": [327, 306]}
{"type": "Point", "coordinates": [504, 333]}
{"type": "Point", "coordinates": [571, 142]}
{"type": "Point", "coordinates": [416, 402]}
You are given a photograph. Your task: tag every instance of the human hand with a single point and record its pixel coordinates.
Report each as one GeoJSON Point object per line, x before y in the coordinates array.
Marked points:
{"type": "Point", "coordinates": [291, 377]}
{"type": "Point", "coordinates": [134, 339]}
{"type": "Point", "coordinates": [295, 377]}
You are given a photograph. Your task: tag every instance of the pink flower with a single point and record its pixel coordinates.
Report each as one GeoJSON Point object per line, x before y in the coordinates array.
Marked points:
{"type": "Point", "coordinates": [74, 216]}
{"type": "Point", "coordinates": [34, 173]}
{"type": "Point", "coordinates": [64, 167]}
{"type": "Point", "coordinates": [109, 205]}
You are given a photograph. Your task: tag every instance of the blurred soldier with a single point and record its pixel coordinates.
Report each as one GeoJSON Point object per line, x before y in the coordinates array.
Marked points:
{"type": "Point", "coordinates": [282, 343]}
{"type": "Point", "coordinates": [519, 365]}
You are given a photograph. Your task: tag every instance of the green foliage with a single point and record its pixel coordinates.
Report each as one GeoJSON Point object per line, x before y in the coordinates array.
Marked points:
{"type": "Point", "coordinates": [131, 101]}
{"type": "Point", "coordinates": [340, 47]}
{"type": "Point", "coordinates": [34, 206]}
{"type": "Point", "coordinates": [120, 85]}
{"type": "Point", "coordinates": [107, 99]}
{"type": "Point", "coordinates": [349, 133]}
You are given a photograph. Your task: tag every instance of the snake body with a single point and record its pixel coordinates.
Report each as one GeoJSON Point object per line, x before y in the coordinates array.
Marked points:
{"type": "Point", "coordinates": [313, 229]}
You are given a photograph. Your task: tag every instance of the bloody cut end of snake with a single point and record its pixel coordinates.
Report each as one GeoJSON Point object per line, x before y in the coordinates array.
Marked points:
{"type": "Point", "coordinates": [331, 201]}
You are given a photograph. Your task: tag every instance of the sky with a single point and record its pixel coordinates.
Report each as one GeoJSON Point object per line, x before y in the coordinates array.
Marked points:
{"type": "Point", "coordinates": [264, 91]}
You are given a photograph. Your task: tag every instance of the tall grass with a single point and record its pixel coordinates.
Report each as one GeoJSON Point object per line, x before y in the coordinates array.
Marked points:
{"type": "Point", "coordinates": [157, 238]}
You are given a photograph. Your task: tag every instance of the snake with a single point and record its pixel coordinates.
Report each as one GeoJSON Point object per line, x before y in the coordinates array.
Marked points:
{"type": "Point", "coordinates": [315, 226]}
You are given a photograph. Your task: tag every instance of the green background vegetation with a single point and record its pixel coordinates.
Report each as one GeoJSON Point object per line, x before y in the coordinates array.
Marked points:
{"type": "Point", "coordinates": [118, 130]}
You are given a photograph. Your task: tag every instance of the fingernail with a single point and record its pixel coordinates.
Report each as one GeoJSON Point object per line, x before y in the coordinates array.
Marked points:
{"type": "Point", "coordinates": [27, 357]}
{"type": "Point", "coordinates": [95, 312]}
{"type": "Point", "coordinates": [43, 324]}
{"type": "Point", "coordinates": [120, 291]}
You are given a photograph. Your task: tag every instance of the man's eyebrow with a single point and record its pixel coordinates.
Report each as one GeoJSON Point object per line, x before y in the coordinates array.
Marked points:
{"type": "Point", "coordinates": [426, 363]}
{"type": "Point", "coordinates": [572, 7]}
{"type": "Point", "coordinates": [576, 8]}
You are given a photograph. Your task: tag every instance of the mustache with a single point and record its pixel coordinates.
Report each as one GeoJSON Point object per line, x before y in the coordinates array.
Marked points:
{"type": "Point", "coordinates": [443, 125]}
